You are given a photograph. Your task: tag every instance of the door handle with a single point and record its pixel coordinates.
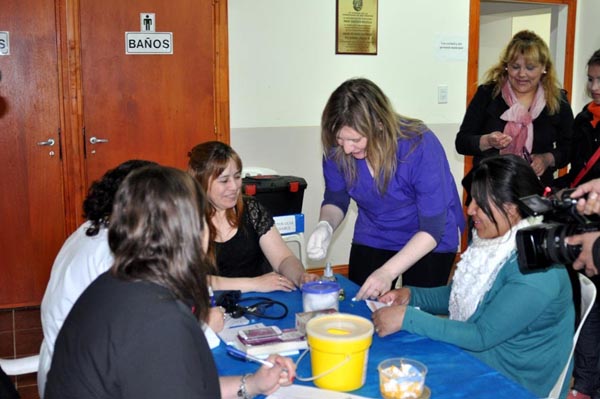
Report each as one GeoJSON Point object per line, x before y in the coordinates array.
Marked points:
{"type": "Point", "coordinates": [96, 140]}
{"type": "Point", "coordinates": [48, 143]}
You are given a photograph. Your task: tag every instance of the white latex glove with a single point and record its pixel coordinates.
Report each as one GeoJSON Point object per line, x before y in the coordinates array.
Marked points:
{"type": "Point", "coordinates": [319, 240]}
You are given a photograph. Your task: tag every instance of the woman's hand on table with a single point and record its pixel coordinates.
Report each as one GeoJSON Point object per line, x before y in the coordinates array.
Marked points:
{"type": "Point", "coordinates": [378, 283]}
{"type": "Point", "coordinates": [273, 282]}
{"type": "Point", "coordinates": [399, 296]}
{"type": "Point", "coordinates": [216, 318]}
{"type": "Point", "coordinates": [388, 320]}
{"type": "Point", "coordinates": [267, 380]}
{"type": "Point", "coordinates": [308, 277]}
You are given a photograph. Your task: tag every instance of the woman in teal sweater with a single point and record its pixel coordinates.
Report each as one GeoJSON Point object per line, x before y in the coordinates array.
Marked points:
{"type": "Point", "coordinates": [520, 324]}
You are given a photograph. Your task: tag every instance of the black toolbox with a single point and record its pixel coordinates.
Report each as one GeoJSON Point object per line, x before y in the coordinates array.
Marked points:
{"type": "Point", "coordinates": [282, 195]}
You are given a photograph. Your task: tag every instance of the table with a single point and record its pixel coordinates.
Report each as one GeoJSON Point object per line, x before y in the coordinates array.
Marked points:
{"type": "Point", "coordinates": [452, 373]}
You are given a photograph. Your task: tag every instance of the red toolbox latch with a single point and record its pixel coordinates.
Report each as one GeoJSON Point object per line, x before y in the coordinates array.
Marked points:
{"type": "Point", "coordinates": [294, 186]}
{"type": "Point", "coordinates": [250, 189]}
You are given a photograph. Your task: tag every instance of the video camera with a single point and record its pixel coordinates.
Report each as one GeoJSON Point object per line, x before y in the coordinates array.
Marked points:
{"type": "Point", "coordinates": [542, 245]}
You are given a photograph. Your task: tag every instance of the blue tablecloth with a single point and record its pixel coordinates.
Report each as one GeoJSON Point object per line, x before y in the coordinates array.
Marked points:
{"type": "Point", "coordinates": [452, 373]}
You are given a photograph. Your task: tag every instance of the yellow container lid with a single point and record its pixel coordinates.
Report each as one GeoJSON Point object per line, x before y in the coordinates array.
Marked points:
{"type": "Point", "coordinates": [340, 327]}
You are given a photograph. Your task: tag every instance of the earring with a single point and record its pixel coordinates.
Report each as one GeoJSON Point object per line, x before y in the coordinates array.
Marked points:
{"type": "Point", "coordinates": [544, 71]}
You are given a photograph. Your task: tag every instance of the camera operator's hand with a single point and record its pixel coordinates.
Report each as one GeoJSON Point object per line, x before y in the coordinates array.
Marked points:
{"type": "Point", "coordinates": [587, 256]}
{"type": "Point", "coordinates": [590, 204]}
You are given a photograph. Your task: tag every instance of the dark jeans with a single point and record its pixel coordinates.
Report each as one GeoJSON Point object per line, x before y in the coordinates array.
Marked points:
{"type": "Point", "coordinates": [432, 270]}
{"type": "Point", "coordinates": [586, 370]}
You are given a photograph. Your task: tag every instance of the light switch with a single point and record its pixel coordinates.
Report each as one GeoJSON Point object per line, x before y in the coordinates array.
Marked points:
{"type": "Point", "coordinates": [442, 94]}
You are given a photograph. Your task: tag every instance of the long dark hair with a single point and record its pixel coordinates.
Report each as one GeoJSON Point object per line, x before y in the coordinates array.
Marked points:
{"type": "Point", "coordinates": [98, 203]}
{"type": "Point", "coordinates": [156, 233]}
{"type": "Point", "coordinates": [501, 180]}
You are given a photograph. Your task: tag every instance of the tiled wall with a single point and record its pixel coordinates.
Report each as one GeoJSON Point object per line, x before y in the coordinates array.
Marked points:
{"type": "Point", "coordinates": [21, 335]}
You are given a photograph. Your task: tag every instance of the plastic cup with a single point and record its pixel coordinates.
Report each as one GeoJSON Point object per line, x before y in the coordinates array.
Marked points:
{"type": "Point", "coordinates": [319, 295]}
{"type": "Point", "coordinates": [401, 378]}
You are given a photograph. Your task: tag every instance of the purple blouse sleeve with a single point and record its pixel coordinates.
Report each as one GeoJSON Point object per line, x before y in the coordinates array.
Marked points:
{"type": "Point", "coordinates": [335, 186]}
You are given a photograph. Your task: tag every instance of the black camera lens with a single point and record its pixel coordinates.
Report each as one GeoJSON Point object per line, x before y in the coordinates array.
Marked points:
{"type": "Point", "coordinates": [541, 246]}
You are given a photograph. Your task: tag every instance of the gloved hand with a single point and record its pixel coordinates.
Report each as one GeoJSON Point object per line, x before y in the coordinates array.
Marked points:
{"type": "Point", "coordinates": [319, 240]}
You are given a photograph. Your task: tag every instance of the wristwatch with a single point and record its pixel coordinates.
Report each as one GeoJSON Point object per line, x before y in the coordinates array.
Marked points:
{"type": "Point", "coordinates": [242, 392]}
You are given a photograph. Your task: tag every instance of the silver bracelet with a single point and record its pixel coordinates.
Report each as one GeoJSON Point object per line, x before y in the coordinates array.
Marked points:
{"type": "Point", "coordinates": [242, 392]}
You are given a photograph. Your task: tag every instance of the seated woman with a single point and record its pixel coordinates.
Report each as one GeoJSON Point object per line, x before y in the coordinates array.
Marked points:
{"type": "Point", "coordinates": [249, 251]}
{"type": "Point", "coordinates": [134, 332]}
{"type": "Point", "coordinates": [520, 324]}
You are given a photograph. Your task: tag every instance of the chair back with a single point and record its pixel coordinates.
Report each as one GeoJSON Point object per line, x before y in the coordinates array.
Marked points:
{"type": "Point", "coordinates": [22, 365]}
{"type": "Point", "coordinates": [588, 297]}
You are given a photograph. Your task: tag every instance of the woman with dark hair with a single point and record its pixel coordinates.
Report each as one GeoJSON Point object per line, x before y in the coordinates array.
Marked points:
{"type": "Point", "coordinates": [520, 324]}
{"type": "Point", "coordinates": [134, 332]}
{"type": "Point", "coordinates": [249, 251]}
{"type": "Point", "coordinates": [83, 257]}
{"type": "Point", "coordinates": [396, 170]}
{"type": "Point", "coordinates": [520, 109]}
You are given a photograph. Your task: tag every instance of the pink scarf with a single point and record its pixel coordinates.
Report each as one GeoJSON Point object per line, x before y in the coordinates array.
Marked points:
{"type": "Point", "coordinates": [519, 124]}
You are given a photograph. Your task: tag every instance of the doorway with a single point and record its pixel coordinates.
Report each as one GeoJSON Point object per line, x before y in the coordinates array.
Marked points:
{"type": "Point", "coordinates": [561, 15]}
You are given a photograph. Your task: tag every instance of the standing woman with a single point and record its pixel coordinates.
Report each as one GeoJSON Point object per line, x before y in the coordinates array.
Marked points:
{"type": "Point", "coordinates": [520, 109]}
{"type": "Point", "coordinates": [249, 251]}
{"type": "Point", "coordinates": [395, 169]}
{"type": "Point", "coordinates": [134, 332]}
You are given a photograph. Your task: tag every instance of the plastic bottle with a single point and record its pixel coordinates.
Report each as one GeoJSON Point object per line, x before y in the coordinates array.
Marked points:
{"type": "Point", "coordinates": [328, 273]}
{"type": "Point", "coordinates": [328, 276]}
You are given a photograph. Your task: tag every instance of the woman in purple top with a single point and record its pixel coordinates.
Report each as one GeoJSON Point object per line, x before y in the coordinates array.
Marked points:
{"type": "Point", "coordinates": [395, 169]}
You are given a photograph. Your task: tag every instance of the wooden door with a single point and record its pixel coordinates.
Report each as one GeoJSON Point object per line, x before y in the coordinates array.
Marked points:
{"type": "Point", "coordinates": [154, 107]}
{"type": "Point", "coordinates": [32, 211]}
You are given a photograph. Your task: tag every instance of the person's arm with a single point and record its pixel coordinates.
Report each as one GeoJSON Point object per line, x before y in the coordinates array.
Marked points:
{"type": "Point", "coordinates": [388, 320]}
{"type": "Point", "coordinates": [433, 186]}
{"type": "Point", "coordinates": [282, 259]}
{"type": "Point", "coordinates": [588, 197]}
{"type": "Point", "coordinates": [265, 381]}
{"type": "Point", "coordinates": [503, 317]}
{"type": "Point", "coordinates": [470, 139]}
{"type": "Point", "coordinates": [381, 279]}
{"type": "Point", "coordinates": [266, 283]}
{"type": "Point", "coordinates": [590, 246]}
{"type": "Point", "coordinates": [333, 209]}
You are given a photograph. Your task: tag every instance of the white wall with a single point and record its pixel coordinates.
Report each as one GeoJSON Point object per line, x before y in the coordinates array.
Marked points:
{"type": "Point", "coordinates": [283, 67]}
{"type": "Point", "coordinates": [587, 40]}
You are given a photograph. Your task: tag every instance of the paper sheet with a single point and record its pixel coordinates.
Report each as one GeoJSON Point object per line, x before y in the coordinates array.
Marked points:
{"type": "Point", "coordinates": [303, 392]}
{"type": "Point", "coordinates": [374, 305]}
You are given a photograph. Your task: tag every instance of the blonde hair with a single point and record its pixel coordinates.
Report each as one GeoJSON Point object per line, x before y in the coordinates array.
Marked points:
{"type": "Point", "coordinates": [361, 105]}
{"type": "Point", "coordinates": [533, 49]}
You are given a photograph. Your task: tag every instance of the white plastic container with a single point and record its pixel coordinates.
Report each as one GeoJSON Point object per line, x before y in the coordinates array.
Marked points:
{"type": "Point", "coordinates": [318, 295]}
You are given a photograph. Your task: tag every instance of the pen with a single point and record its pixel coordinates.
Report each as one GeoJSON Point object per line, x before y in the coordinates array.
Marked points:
{"type": "Point", "coordinates": [211, 294]}
{"type": "Point", "coordinates": [245, 356]}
